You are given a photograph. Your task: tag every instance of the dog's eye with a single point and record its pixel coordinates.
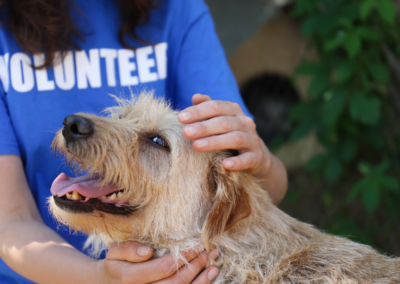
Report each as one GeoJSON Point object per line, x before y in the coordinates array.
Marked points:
{"type": "Point", "coordinates": [120, 116]}
{"type": "Point", "coordinates": [159, 141]}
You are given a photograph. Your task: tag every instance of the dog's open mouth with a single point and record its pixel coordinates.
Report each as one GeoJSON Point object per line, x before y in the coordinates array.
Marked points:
{"type": "Point", "coordinates": [84, 195]}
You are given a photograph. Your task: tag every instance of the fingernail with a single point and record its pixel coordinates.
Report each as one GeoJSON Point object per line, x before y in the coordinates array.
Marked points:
{"type": "Point", "coordinates": [190, 130]}
{"type": "Point", "coordinates": [143, 250]}
{"type": "Point", "coordinates": [229, 164]}
{"type": "Point", "coordinates": [212, 274]}
{"type": "Point", "coordinates": [185, 116]}
{"type": "Point", "coordinates": [202, 143]}
{"type": "Point", "coordinates": [213, 255]}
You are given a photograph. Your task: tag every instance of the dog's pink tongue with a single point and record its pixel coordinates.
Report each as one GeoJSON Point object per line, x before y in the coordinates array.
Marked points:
{"type": "Point", "coordinates": [85, 185]}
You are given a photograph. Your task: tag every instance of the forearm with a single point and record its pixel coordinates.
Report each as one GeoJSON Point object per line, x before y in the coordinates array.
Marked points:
{"type": "Point", "coordinates": [273, 176]}
{"type": "Point", "coordinates": [35, 251]}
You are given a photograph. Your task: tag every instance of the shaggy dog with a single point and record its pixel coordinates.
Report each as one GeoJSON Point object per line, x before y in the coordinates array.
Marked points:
{"type": "Point", "coordinates": [146, 183]}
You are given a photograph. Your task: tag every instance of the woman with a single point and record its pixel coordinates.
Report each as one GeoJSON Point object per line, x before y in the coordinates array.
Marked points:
{"type": "Point", "coordinates": [81, 52]}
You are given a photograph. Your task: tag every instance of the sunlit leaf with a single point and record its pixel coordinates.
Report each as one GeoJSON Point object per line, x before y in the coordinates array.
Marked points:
{"type": "Point", "coordinates": [352, 44]}
{"type": "Point", "coordinates": [366, 8]}
{"type": "Point", "coordinates": [364, 168]}
{"type": "Point", "coordinates": [387, 10]}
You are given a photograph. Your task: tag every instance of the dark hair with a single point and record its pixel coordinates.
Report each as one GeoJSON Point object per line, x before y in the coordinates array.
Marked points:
{"type": "Point", "coordinates": [46, 25]}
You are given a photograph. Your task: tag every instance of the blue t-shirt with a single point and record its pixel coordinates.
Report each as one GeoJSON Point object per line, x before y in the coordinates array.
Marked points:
{"type": "Point", "coordinates": [183, 57]}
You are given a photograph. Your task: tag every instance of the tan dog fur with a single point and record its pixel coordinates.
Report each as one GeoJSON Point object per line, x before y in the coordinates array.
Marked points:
{"type": "Point", "coordinates": [187, 198]}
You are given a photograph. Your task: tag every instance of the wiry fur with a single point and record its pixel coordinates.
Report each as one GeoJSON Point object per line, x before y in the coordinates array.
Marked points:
{"type": "Point", "coordinates": [187, 198]}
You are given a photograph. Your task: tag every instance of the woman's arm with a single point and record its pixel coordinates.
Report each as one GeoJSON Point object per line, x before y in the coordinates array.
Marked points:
{"type": "Point", "coordinates": [219, 125]}
{"type": "Point", "coordinates": [27, 245]}
{"type": "Point", "coordinates": [35, 251]}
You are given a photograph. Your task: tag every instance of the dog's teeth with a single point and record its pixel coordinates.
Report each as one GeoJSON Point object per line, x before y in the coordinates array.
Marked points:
{"type": "Point", "coordinates": [68, 195]}
{"type": "Point", "coordinates": [113, 196]}
{"type": "Point", "coordinates": [76, 196]}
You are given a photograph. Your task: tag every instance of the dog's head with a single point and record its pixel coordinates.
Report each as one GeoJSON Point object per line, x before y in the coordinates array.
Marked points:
{"type": "Point", "coordinates": [144, 181]}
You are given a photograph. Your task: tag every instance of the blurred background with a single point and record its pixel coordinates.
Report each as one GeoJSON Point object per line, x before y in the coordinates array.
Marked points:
{"type": "Point", "coordinates": [322, 79]}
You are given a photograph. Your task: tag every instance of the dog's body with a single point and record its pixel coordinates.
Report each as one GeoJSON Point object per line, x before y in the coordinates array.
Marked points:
{"type": "Point", "coordinates": [146, 183]}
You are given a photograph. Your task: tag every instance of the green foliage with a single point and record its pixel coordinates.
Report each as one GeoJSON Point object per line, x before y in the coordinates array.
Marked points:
{"type": "Point", "coordinates": [348, 105]}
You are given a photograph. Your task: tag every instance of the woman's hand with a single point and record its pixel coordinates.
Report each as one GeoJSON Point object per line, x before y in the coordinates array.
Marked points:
{"type": "Point", "coordinates": [224, 126]}
{"type": "Point", "coordinates": [129, 263]}
{"type": "Point", "coordinates": [220, 125]}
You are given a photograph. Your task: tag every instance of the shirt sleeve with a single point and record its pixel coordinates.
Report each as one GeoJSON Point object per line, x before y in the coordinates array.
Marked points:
{"type": "Point", "coordinates": [201, 65]}
{"type": "Point", "coordinates": [8, 141]}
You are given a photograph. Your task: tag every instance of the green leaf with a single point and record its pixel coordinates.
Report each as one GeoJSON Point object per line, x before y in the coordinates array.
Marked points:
{"type": "Point", "coordinates": [366, 8]}
{"type": "Point", "coordinates": [364, 168]}
{"type": "Point", "coordinates": [344, 71]}
{"type": "Point", "coordinates": [310, 25]}
{"type": "Point", "coordinates": [332, 109]}
{"type": "Point", "coordinates": [387, 10]}
{"type": "Point", "coordinates": [365, 109]}
{"type": "Point", "coordinates": [333, 170]}
{"type": "Point", "coordinates": [371, 196]}
{"type": "Point", "coordinates": [382, 167]}
{"type": "Point", "coordinates": [367, 33]}
{"type": "Point", "coordinates": [319, 84]}
{"type": "Point", "coordinates": [316, 162]}
{"type": "Point", "coordinates": [301, 111]}
{"type": "Point", "coordinates": [379, 72]}
{"type": "Point", "coordinates": [348, 148]}
{"type": "Point", "coordinates": [302, 7]}
{"type": "Point", "coordinates": [333, 43]}
{"type": "Point", "coordinates": [350, 127]}
{"type": "Point", "coordinates": [357, 188]}
{"type": "Point", "coordinates": [373, 138]}
{"type": "Point", "coordinates": [302, 130]}
{"type": "Point", "coordinates": [308, 68]}
{"type": "Point", "coordinates": [344, 22]}
{"type": "Point", "coordinates": [365, 81]}
{"type": "Point", "coordinates": [389, 183]}
{"type": "Point", "coordinates": [326, 24]}
{"type": "Point", "coordinates": [352, 44]}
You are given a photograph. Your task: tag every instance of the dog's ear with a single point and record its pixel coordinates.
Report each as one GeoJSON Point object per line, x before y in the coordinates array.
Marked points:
{"type": "Point", "coordinates": [231, 202]}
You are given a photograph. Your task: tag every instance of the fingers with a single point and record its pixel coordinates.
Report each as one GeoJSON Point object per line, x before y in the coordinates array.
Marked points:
{"type": "Point", "coordinates": [247, 160]}
{"type": "Point", "coordinates": [209, 109]}
{"type": "Point", "coordinates": [207, 276]}
{"type": "Point", "coordinates": [198, 99]}
{"type": "Point", "coordinates": [219, 125]}
{"type": "Point", "coordinates": [129, 251]}
{"type": "Point", "coordinates": [149, 271]}
{"type": "Point", "coordinates": [189, 272]}
{"type": "Point", "coordinates": [232, 140]}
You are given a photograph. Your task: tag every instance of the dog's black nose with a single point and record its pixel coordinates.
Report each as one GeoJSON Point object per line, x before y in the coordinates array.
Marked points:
{"type": "Point", "coordinates": [76, 126]}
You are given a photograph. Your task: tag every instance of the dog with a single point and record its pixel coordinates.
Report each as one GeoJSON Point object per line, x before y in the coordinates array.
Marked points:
{"type": "Point", "coordinates": [144, 182]}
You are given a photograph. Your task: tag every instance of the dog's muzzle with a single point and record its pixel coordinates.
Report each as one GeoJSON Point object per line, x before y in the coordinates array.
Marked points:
{"type": "Point", "coordinates": [91, 205]}
{"type": "Point", "coordinates": [76, 127]}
